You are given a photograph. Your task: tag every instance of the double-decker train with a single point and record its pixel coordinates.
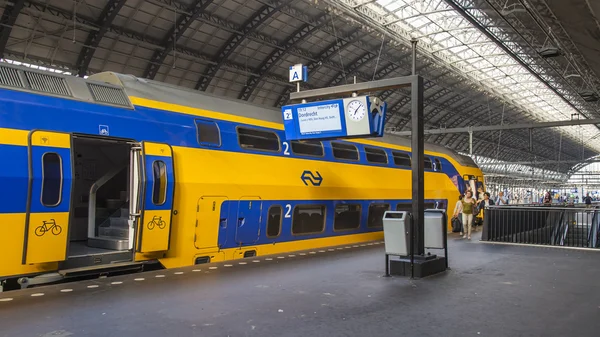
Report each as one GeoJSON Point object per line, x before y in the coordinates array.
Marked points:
{"type": "Point", "coordinates": [115, 171]}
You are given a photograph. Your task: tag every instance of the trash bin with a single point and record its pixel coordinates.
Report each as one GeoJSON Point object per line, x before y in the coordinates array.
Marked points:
{"type": "Point", "coordinates": [396, 232]}
{"type": "Point", "coordinates": [435, 228]}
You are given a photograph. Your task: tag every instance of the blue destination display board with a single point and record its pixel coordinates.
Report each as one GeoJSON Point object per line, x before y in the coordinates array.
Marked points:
{"type": "Point", "coordinates": [352, 117]}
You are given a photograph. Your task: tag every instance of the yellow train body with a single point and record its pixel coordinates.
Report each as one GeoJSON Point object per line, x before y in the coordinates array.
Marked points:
{"type": "Point", "coordinates": [180, 202]}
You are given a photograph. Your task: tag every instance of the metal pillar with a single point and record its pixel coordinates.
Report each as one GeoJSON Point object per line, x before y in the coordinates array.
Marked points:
{"type": "Point", "coordinates": [530, 140]}
{"type": "Point", "coordinates": [470, 143]}
{"type": "Point", "coordinates": [414, 56]}
{"type": "Point", "coordinates": [418, 162]}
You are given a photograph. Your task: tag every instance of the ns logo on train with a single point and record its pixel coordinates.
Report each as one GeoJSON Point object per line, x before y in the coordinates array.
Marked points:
{"type": "Point", "coordinates": [308, 177]}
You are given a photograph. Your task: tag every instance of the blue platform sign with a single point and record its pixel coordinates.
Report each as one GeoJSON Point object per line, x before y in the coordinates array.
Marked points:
{"type": "Point", "coordinates": [352, 117]}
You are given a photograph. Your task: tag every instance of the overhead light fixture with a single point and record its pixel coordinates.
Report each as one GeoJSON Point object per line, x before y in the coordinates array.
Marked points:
{"type": "Point", "coordinates": [549, 51]}
{"type": "Point", "coordinates": [589, 95]}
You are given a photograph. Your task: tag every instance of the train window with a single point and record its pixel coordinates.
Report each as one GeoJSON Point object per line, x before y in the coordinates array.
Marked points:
{"type": "Point", "coordinates": [308, 219]}
{"type": "Point", "coordinates": [404, 207]}
{"type": "Point", "coordinates": [274, 221]}
{"type": "Point", "coordinates": [408, 207]}
{"type": "Point", "coordinates": [307, 147]}
{"type": "Point", "coordinates": [375, 218]}
{"type": "Point", "coordinates": [344, 151]}
{"type": "Point", "coordinates": [253, 139]}
{"type": "Point", "coordinates": [159, 186]}
{"type": "Point", "coordinates": [51, 179]}
{"type": "Point", "coordinates": [438, 164]}
{"type": "Point", "coordinates": [347, 216]}
{"type": "Point", "coordinates": [376, 155]}
{"type": "Point", "coordinates": [208, 133]}
{"type": "Point", "coordinates": [401, 159]}
{"type": "Point", "coordinates": [428, 165]}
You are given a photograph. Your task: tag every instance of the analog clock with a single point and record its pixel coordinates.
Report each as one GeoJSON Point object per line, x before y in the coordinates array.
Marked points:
{"type": "Point", "coordinates": [356, 110]}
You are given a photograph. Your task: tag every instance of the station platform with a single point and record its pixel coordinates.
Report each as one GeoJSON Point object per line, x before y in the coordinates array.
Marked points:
{"type": "Point", "coordinates": [491, 290]}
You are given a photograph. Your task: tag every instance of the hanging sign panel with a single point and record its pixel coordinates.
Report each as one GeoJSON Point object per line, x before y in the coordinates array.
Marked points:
{"type": "Point", "coordinates": [352, 117]}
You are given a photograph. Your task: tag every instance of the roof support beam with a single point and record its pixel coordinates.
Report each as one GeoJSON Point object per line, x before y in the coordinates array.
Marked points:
{"type": "Point", "coordinates": [354, 65]}
{"type": "Point", "coordinates": [461, 7]}
{"type": "Point", "coordinates": [110, 11]}
{"type": "Point", "coordinates": [174, 34]}
{"type": "Point", "coordinates": [273, 59]}
{"type": "Point", "coordinates": [545, 162]}
{"type": "Point", "coordinates": [7, 21]}
{"type": "Point", "coordinates": [323, 56]}
{"type": "Point", "coordinates": [484, 128]}
{"type": "Point", "coordinates": [234, 41]}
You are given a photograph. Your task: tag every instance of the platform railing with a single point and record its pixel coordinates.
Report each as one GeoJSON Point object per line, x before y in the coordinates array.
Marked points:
{"type": "Point", "coordinates": [555, 226]}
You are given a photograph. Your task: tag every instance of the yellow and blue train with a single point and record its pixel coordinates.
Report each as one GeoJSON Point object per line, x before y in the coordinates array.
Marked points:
{"type": "Point", "coordinates": [115, 171]}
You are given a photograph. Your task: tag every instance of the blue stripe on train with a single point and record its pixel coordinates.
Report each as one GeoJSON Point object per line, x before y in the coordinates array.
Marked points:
{"type": "Point", "coordinates": [240, 226]}
{"type": "Point", "coordinates": [28, 111]}
{"type": "Point", "coordinates": [14, 179]}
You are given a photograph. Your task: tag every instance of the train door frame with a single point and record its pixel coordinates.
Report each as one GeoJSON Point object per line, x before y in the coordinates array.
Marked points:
{"type": "Point", "coordinates": [93, 260]}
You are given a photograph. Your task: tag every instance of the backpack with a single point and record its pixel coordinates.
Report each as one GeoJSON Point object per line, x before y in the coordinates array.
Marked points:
{"type": "Point", "coordinates": [456, 225]}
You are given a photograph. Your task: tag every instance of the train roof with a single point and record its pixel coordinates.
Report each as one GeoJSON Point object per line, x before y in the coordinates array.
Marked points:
{"type": "Point", "coordinates": [111, 88]}
{"type": "Point", "coordinates": [169, 93]}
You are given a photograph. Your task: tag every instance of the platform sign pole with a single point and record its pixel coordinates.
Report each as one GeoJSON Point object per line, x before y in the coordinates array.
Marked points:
{"type": "Point", "coordinates": [340, 93]}
{"type": "Point", "coordinates": [418, 162]}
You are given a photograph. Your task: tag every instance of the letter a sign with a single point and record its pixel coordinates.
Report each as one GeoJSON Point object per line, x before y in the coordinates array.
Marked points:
{"type": "Point", "coordinates": [298, 73]}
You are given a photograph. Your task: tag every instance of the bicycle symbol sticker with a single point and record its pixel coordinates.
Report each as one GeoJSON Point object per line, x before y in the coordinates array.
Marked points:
{"type": "Point", "coordinates": [54, 228]}
{"type": "Point", "coordinates": [156, 221]}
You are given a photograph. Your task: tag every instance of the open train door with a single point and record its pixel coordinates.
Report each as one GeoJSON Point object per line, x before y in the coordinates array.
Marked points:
{"type": "Point", "coordinates": [159, 185]}
{"type": "Point", "coordinates": [50, 180]}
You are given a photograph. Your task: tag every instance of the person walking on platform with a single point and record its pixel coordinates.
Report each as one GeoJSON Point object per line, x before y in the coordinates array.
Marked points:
{"type": "Point", "coordinates": [457, 215]}
{"type": "Point", "coordinates": [588, 201]}
{"type": "Point", "coordinates": [467, 205]}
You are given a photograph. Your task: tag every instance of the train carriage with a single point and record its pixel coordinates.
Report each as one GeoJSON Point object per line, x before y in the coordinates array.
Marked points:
{"type": "Point", "coordinates": [115, 171]}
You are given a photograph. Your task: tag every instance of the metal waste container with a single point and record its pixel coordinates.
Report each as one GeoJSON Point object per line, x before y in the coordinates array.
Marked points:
{"type": "Point", "coordinates": [396, 232]}
{"type": "Point", "coordinates": [434, 228]}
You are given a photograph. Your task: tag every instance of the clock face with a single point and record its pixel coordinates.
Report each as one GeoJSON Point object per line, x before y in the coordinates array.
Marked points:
{"type": "Point", "coordinates": [356, 110]}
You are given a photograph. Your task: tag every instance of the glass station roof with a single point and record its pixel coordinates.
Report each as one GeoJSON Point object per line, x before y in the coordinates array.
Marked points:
{"type": "Point", "coordinates": [446, 35]}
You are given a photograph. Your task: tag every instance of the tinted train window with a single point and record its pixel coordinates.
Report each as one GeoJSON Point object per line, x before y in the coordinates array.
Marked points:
{"type": "Point", "coordinates": [428, 164]}
{"type": "Point", "coordinates": [376, 155]}
{"type": "Point", "coordinates": [307, 147]}
{"type": "Point", "coordinates": [159, 187]}
{"type": "Point", "coordinates": [344, 151]}
{"type": "Point", "coordinates": [438, 164]}
{"type": "Point", "coordinates": [308, 219]}
{"type": "Point", "coordinates": [401, 159]}
{"type": "Point", "coordinates": [51, 179]}
{"type": "Point", "coordinates": [404, 207]}
{"type": "Point", "coordinates": [408, 207]}
{"type": "Point", "coordinates": [254, 139]}
{"type": "Point", "coordinates": [274, 221]}
{"type": "Point", "coordinates": [346, 217]}
{"type": "Point", "coordinates": [376, 211]}
{"type": "Point", "coordinates": [208, 133]}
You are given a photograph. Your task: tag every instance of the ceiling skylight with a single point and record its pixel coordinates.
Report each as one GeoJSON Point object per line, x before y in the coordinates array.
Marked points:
{"type": "Point", "coordinates": [447, 36]}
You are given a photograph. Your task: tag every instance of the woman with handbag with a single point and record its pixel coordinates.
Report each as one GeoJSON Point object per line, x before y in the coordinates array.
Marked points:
{"type": "Point", "coordinates": [467, 207]}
